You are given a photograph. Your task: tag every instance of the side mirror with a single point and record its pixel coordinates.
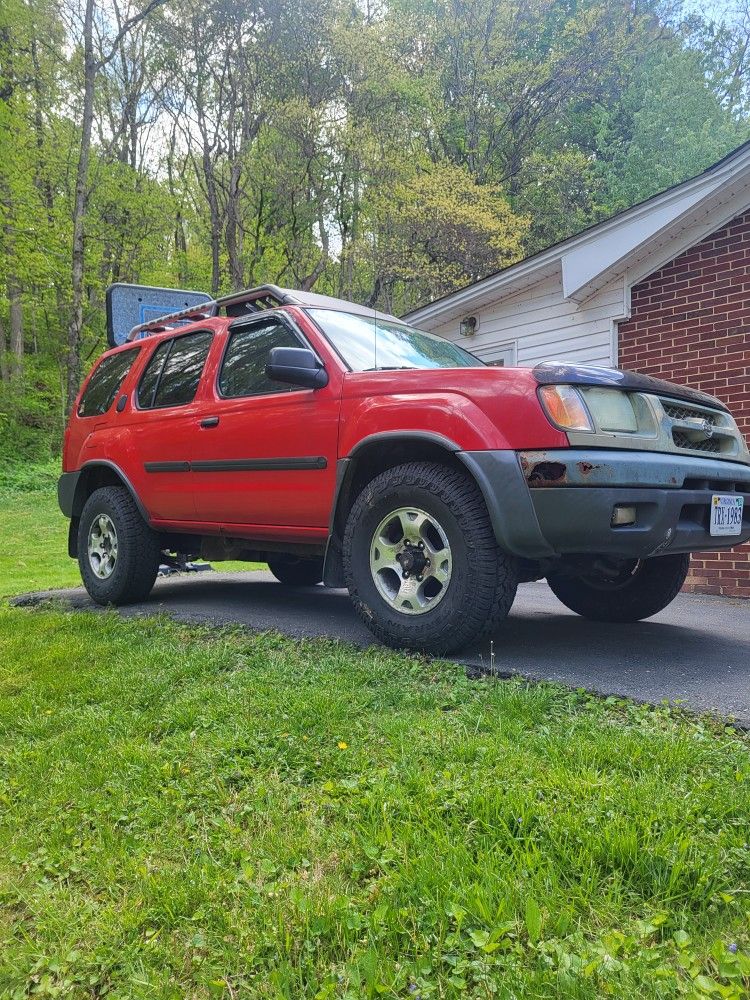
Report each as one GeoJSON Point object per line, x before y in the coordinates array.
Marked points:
{"type": "Point", "coordinates": [296, 366]}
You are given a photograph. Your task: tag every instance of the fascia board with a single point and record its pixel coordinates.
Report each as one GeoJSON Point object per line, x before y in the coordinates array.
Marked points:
{"type": "Point", "coordinates": [582, 265]}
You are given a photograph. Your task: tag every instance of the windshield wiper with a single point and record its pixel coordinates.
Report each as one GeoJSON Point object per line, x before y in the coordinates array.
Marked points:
{"type": "Point", "coordinates": [392, 368]}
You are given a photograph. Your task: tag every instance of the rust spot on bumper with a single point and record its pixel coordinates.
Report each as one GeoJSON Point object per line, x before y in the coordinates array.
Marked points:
{"type": "Point", "coordinates": [586, 468]}
{"type": "Point", "coordinates": [546, 474]}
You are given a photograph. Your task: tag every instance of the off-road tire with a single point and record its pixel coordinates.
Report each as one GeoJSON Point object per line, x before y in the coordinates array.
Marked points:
{"type": "Point", "coordinates": [294, 571]}
{"type": "Point", "coordinates": [483, 582]}
{"type": "Point", "coordinates": [655, 584]}
{"type": "Point", "coordinates": [138, 551]}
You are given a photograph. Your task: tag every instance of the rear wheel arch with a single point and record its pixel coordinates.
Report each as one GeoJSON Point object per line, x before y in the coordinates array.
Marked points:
{"type": "Point", "coordinates": [94, 476]}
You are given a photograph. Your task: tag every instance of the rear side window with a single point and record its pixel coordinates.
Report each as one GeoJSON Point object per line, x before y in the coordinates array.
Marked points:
{"type": "Point", "coordinates": [243, 371]}
{"type": "Point", "coordinates": [103, 385]}
{"type": "Point", "coordinates": [172, 375]}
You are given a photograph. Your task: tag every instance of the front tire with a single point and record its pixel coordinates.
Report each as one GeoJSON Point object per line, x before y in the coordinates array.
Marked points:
{"type": "Point", "coordinates": [118, 554]}
{"type": "Point", "coordinates": [637, 589]}
{"type": "Point", "coordinates": [421, 561]}
{"type": "Point", "coordinates": [293, 571]}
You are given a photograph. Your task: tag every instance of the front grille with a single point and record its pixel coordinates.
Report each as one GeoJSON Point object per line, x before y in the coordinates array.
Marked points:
{"type": "Point", "coordinates": [699, 429]}
{"type": "Point", "coordinates": [710, 445]}
{"type": "Point", "coordinates": [678, 411]}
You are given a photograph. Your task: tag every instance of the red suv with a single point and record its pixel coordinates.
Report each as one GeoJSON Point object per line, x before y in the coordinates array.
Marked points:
{"type": "Point", "coordinates": [340, 445]}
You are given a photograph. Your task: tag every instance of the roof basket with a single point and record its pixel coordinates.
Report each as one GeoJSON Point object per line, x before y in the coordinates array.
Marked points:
{"type": "Point", "coordinates": [135, 311]}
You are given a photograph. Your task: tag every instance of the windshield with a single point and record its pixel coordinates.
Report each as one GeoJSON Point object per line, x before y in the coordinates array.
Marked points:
{"type": "Point", "coordinates": [367, 344]}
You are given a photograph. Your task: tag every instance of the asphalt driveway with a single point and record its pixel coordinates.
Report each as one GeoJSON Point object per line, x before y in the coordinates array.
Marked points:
{"type": "Point", "coordinates": [696, 652]}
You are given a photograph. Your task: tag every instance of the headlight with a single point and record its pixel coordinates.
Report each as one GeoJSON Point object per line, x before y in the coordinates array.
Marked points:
{"type": "Point", "coordinates": [611, 409]}
{"type": "Point", "coordinates": [564, 406]}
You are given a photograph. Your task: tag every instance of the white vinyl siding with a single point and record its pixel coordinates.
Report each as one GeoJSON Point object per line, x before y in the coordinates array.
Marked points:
{"type": "Point", "coordinates": [540, 324]}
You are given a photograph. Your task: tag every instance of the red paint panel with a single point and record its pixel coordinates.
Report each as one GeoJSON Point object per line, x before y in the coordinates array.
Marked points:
{"type": "Point", "coordinates": [280, 426]}
{"type": "Point", "coordinates": [476, 408]}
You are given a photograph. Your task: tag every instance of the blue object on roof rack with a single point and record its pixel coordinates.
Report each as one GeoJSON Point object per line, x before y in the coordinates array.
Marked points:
{"type": "Point", "coordinates": [132, 305]}
{"type": "Point", "coordinates": [135, 311]}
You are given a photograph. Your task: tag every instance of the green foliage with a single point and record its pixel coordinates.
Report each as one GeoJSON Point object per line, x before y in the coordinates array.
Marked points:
{"type": "Point", "coordinates": [31, 413]}
{"type": "Point", "coordinates": [386, 153]}
{"type": "Point", "coordinates": [669, 126]}
{"type": "Point", "coordinates": [560, 193]}
{"type": "Point", "coordinates": [441, 230]}
{"type": "Point", "coordinates": [188, 812]}
{"type": "Point", "coordinates": [31, 478]}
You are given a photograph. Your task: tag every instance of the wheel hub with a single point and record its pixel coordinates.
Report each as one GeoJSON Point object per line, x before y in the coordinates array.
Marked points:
{"type": "Point", "coordinates": [102, 546]}
{"type": "Point", "coordinates": [411, 560]}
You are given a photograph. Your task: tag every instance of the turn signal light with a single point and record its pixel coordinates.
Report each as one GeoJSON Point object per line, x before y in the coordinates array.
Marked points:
{"type": "Point", "coordinates": [565, 407]}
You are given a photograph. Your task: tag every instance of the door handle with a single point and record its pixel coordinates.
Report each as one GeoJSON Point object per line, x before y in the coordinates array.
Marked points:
{"type": "Point", "coordinates": [210, 422]}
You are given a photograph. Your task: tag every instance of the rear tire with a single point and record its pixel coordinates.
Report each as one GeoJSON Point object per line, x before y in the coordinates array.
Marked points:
{"type": "Point", "coordinates": [293, 571]}
{"type": "Point", "coordinates": [416, 512]}
{"type": "Point", "coordinates": [643, 588]}
{"type": "Point", "coordinates": [118, 554]}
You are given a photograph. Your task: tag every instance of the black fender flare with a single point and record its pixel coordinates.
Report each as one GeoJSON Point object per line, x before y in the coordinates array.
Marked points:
{"type": "Point", "coordinates": [72, 495]}
{"type": "Point", "coordinates": [498, 477]}
{"type": "Point", "coordinates": [345, 470]}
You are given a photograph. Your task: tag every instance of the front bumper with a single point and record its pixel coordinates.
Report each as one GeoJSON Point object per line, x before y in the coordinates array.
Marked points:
{"type": "Point", "coordinates": [560, 502]}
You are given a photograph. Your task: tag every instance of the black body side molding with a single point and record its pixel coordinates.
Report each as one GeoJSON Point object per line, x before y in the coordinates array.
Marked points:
{"type": "Point", "coordinates": [301, 463]}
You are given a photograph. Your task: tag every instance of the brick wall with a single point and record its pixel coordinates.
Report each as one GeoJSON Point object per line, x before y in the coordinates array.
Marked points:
{"type": "Point", "coordinates": [690, 323]}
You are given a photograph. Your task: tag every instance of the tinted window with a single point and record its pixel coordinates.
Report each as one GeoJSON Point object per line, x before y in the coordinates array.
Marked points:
{"type": "Point", "coordinates": [151, 375]}
{"type": "Point", "coordinates": [243, 372]}
{"type": "Point", "coordinates": [103, 385]}
{"type": "Point", "coordinates": [173, 373]}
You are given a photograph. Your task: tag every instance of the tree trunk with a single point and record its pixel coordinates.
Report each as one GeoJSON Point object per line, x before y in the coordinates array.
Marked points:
{"type": "Point", "coordinates": [180, 241]}
{"type": "Point", "coordinates": [75, 326]}
{"type": "Point", "coordinates": [4, 373]}
{"type": "Point", "coordinates": [213, 207]}
{"type": "Point", "coordinates": [13, 361]}
{"type": "Point", "coordinates": [16, 324]}
{"type": "Point", "coordinates": [42, 178]}
{"type": "Point", "coordinates": [234, 228]}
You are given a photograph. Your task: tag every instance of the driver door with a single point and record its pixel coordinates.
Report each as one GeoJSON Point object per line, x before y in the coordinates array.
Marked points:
{"type": "Point", "coordinates": [264, 453]}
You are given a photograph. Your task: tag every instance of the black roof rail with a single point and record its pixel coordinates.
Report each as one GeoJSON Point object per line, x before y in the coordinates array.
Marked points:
{"type": "Point", "coordinates": [237, 304]}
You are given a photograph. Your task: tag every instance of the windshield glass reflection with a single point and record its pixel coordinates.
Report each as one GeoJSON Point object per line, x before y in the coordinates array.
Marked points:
{"type": "Point", "coordinates": [367, 344]}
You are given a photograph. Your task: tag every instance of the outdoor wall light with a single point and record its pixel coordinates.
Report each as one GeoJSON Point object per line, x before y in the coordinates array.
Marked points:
{"type": "Point", "coordinates": [469, 326]}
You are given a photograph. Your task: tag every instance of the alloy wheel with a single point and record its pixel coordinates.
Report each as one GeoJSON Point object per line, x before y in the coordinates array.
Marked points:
{"type": "Point", "coordinates": [410, 560]}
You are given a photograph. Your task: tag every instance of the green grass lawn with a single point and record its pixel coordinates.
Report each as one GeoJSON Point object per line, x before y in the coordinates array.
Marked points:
{"type": "Point", "coordinates": [34, 535]}
{"type": "Point", "coordinates": [188, 812]}
{"type": "Point", "coordinates": [193, 813]}
{"type": "Point", "coordinates": [34, 544]}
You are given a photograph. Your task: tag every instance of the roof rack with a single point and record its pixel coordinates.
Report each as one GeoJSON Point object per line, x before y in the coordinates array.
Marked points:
{"type": "Point", "coordinates": [170, 307]}
{"type": "Point", "coordinates": [236, 304]}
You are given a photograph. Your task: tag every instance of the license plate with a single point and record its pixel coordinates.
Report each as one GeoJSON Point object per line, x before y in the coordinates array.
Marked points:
{"type": "Point", "coordinates": [726, 514]}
